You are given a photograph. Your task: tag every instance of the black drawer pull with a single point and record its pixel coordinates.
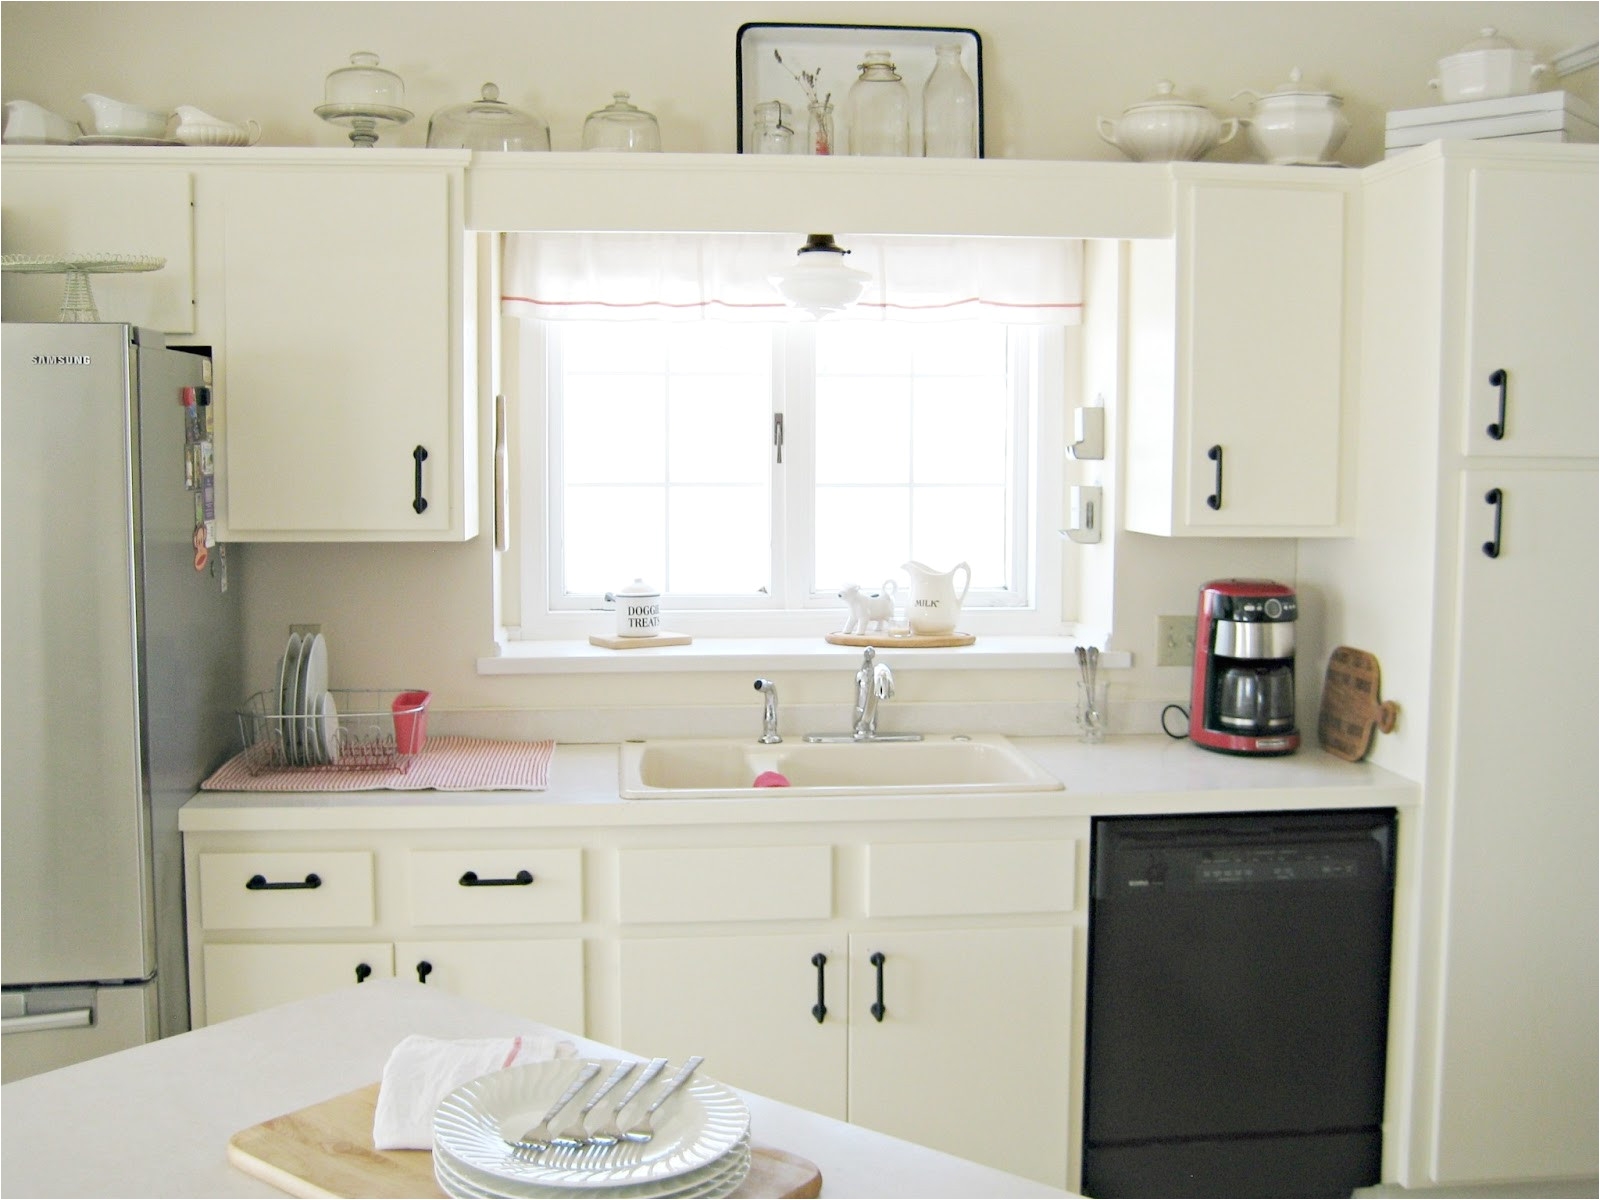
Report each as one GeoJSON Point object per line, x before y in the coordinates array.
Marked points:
{"type": "Point", "coordinates": [1497, 498]}
{"type": "Point", "coordinates": [1214, 501]}
{"type": "Point", "coordinates": [877, 1009]}
{"type": "Point", "coordinates": [1499, 379]}
{"type": "Point", "coordinates": [820, 1008]}
{"type": "Point", "coordinates": [520, 879]}
{"type": "Point", "coordinates": [419, 503]}
{"type": "Point", "coordinates": [424, 969]}
{"type": "Point", "coordinates": [362, 971]}
{"type": "Point", "coordinates": [258, 883]}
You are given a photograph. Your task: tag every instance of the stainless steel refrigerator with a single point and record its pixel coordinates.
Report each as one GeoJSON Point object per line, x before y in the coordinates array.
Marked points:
{"type": "Point", "coordinates": [120, 668]}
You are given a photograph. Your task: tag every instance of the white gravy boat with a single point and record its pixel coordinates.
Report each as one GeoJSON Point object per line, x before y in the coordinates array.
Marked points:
{"type": "Point", "coordinates": [114, 118]}
{"type": "Point", "coordinates": [197, 127]}
{"type": "Point", "coordinates": [30, 123]}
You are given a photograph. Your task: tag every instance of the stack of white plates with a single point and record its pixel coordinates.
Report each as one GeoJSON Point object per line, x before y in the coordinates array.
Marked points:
{"type": "Point", "coordinates": [308, 719]}
{"type": "Point", "coordinates": [700, 1145]}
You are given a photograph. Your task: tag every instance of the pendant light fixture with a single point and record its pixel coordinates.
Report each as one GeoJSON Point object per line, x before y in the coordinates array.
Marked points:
{"type": "Point", "coordinates": [819, 283]}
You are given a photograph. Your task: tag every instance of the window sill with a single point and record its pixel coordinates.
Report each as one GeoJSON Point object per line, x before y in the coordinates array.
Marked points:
{"type": "Point", "coordinates": [996, 653]}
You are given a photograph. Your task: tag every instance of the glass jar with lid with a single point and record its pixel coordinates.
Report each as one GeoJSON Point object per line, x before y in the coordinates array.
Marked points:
{"type": "Point", "coordinates": [621, 126]}
{"type": "Point", "coordinates": [488, 123]}
{"type": "Point", "coordinates": [773, 133]}
{"type": "Point", "coordinates": [878, 119]}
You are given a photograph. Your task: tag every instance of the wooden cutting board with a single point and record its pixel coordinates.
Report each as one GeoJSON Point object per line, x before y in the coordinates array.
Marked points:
{"type": "Point", "coordinates": [909, 641]}
{"type": "Point", "coordinates": [1351, 709]}
{"type": "Point", "coordinates": [639, 643]}
{"type": "Point", "coordinates": [326, 1150]}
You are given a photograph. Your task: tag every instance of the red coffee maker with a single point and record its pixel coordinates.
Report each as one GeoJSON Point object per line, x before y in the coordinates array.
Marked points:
{"type": "Point", "coordinates": [1242, 692]}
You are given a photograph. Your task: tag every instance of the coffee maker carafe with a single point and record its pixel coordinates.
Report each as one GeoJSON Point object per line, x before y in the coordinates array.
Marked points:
{"type": "Point", "coordinates": [1242, 693]}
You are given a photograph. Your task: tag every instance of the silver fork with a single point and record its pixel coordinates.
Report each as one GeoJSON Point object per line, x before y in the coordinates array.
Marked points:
{"type": "Point", "coordinates": [577, 1133]}
{"type": "Point", "coordinates": [608, 1134]}
{"type": "Point", "coordinates": [640, 1130]}
{"type": "Point", "coordinates": [538, 1138]}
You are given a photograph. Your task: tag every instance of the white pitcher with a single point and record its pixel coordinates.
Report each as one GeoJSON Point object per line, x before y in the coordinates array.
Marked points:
{"type": "Point", "coordinates": [935, 605]}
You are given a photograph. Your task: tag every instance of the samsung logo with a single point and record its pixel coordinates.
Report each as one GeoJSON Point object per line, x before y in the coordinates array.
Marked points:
{"type": "Point", "coordinates": [62, 360]}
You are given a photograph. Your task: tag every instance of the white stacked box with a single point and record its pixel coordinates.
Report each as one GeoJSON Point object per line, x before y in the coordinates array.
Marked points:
{"type": "Point", "coordinates": [1540, 117]}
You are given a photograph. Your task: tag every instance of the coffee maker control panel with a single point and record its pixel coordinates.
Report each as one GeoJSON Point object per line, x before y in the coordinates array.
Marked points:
{"type": "Point", "coordinates": [1254, 608]}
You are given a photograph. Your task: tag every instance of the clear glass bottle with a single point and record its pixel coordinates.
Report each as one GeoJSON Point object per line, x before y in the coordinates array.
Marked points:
{"type": "Point", "coordinates": [949, 108]}
{"type": "Point", "coordinates": [819, 127]}
{"type": "Point", "coordinates": [773, 134]}
{"type": "Point", "coordinates": [621, 126]}
{"type": "Point", "coordinates": [878, 109]}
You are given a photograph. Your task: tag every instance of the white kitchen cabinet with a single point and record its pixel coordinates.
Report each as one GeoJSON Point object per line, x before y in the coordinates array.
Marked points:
{"type": "Point", "coordinates": [342, 367]}
{"type": "Point", "coordinates": [1478, 258]}
{"type": "Point", "coordinates": [240, 978]}
{"type": "Point", "coordinates": [534, 977]}
{"type": "Point", "coordinates": [101, 206]}
{"type": "Point", "coordinates": [1238, 362]}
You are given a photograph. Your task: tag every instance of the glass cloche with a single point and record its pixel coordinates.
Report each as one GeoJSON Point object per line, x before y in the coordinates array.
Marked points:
{"type": "Point", "coordinates": [363, 97]}
{"type": "Point", "coordinates": [488, 123]}
{"type": "Point", "coordinates": [621, 126]}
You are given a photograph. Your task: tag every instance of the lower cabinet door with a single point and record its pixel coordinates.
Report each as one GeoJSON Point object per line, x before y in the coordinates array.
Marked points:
{"type": "Point", "coordinates": [968, 1048]}
{"type": "Point", "coordinates": [749, 1005]}
{"type": "Point", "coordinates": [241, 979]}
{"type": "Point", "coordinates": [540, 978]}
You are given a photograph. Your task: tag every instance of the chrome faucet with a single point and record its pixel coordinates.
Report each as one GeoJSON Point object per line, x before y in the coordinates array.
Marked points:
{"type": "Point", "coordinates": [769, 712]}
{"type": "Point", "coordinates": [874, 683]}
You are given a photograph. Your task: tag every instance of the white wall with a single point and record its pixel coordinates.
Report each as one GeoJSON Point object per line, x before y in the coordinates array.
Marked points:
{"type": "Point", "coordinates": [421, 615]}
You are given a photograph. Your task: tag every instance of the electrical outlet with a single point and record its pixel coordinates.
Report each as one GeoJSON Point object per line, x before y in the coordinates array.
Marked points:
{"type": "Point", "coordinates": [1174, 641]}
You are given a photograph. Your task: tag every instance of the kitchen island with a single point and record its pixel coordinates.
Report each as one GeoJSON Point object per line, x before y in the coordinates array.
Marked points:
{"type": "Point", "coordinates": [155, 1120]}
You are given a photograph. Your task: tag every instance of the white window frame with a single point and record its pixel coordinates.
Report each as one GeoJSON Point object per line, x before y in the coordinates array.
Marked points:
{"type": "Point", "coordinates": [523, 568]}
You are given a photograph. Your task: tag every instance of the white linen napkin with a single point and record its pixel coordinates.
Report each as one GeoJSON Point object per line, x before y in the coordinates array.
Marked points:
{"type": "Point", "coordinates": [422, 1071]}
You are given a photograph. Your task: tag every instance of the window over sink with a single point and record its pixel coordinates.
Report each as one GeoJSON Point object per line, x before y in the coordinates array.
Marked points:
{"type": "Point", "coordinates": [672, 420]}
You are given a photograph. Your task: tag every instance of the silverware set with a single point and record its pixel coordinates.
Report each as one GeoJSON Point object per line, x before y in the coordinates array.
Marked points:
{"type": "Point", "coordinates": [1089, 668]}
{"type": "Point", "coordinates": [572, 1142]}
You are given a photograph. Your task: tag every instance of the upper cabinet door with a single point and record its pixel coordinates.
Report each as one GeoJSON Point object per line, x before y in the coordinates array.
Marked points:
{"type": "Point", "coordinates": [340, 371]}
{"type": "Point", "coordinates": [51, 210]}
{"type": "Point", "coordinates": [1237, 366]}
{"type": "Point", "coordinates": [1531, 313]}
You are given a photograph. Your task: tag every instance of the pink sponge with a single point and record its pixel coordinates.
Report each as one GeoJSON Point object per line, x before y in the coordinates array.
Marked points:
{"type": "Point", "coordinates": [771, 779]}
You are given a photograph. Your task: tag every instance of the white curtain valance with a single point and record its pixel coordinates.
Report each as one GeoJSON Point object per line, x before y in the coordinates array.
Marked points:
{"type": "Point", "coordinates": [724, 276]}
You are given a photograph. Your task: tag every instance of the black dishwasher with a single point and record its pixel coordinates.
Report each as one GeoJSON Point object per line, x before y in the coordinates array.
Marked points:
{"type": "Point", "coordinates": [1237, 1003]}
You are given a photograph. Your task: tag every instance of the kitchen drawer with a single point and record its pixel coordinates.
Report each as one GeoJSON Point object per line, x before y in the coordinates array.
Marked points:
{"type": "Point", "coordinates": [745, 883]}
{"type": "Point", "coordinates": [243, 979]}
{"type": "Point", "coordinates": [485, 887]}
{"type": "Point", "coordinates": [971, 878]}
{"type": "Point", "coordinates": [281, 898]}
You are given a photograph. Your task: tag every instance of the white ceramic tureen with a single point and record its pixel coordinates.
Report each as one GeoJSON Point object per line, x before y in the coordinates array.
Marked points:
{"type": "Point", "coordinates": [1295, 124]}
{"type": "Point", "coordinates": [1486, 68]}
{"type": "Point", "coordinates": [1167, 128]}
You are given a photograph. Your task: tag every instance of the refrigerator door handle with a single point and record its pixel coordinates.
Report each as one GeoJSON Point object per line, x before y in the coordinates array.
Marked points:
{"type": "Point", "coordinates": [71, 1018]}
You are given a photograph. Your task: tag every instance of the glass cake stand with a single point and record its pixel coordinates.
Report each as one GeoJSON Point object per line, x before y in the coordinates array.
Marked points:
{"type": "Point", "coordinates": [363, 120]}
{"type": "Point", "coordinates": [78, 302]}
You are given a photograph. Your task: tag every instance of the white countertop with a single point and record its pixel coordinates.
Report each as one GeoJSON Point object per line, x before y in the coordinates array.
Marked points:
{"type": "Point", "coordinates": [155, 1120]}
{"type": "Point", "coordinates": [1122, 776]}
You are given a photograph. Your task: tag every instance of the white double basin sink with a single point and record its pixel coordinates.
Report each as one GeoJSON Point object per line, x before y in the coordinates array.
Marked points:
{"type": "Point", "coordinates": [727, 768]}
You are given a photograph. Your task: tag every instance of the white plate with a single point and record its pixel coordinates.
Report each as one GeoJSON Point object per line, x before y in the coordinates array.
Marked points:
{"type": "Point", "coordinates": [328, 729]}
{"type": "Point", "coordinates": [721, 1178]}
{"type": "Point", "coordinates": [313, 682]}
{"type": "Point", "coordinates": [288, 675]}
{"type": "Point", "coordinates": [471, 1126]}
{"type": "Point", "coordinates": [116, 139]}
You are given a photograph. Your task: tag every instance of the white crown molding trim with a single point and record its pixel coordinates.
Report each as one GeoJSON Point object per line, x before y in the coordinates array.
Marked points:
{"type": "Point", "coordinates": [1575, 59]}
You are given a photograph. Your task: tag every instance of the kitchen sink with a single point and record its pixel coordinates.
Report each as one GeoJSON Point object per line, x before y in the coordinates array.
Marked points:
{"type": "Point", "coordinates": [726, 768]}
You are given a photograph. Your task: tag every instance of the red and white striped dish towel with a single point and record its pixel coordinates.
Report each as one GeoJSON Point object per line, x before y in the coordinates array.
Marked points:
{"type": "Point", "coordinates": [422, 1071]}
{"type": "Point", "coordinates": [445, 764]}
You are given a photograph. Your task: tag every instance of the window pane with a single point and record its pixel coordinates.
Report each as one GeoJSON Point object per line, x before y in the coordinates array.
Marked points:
{"type": "Point", "coordinates": [864, 348]}
{"type": "Point", "coordinates": [863, 430]}
{"type": "Point", "coordinates": [862, 535]}
{"type": "Point", "coordinates": [614, 429]}
{"type": "Point", "coordinates": [961, 434]}
{"type": "Point", "coordinates": [961, 348]}
{"type": "Point", "coordinates": [720, 346]}
{"type": "Point", "coordinates": [615, 345]}
{"type": "Point", "coordinates": [962, 524]}
{"type": "Point", "coordinates": [613, 535]}
{"type": "Point", "coordinates": [721, 540]}
{"type": "Point", "coordinates": [719, 429]}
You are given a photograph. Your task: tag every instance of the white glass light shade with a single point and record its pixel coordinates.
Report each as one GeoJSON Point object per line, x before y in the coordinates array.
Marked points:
{"type": "Point", "coordinates": [819, 283]}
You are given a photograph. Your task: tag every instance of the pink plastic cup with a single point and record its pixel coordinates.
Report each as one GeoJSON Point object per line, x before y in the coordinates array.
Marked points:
{"type": "Point", "coordinates": [410, 721]}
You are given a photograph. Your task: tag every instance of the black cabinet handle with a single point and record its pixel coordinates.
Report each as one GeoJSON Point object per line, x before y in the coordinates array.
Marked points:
{"type": "Point", "coordinates": [878, 1009]}
{"type": "Point", "coordinates": [820, 1008]}
{"type": "Point", "coordinates": [362, 971]}
{"type": "Point", "coordinates": [1497, 498]}
{"type": "Point", "coordinates": [1498, 379]}
{"type": "Point", "coordinates": [520, 879]}
{"type": "Point", "coordinates": [258, 883]}
{"type": "Point", "coordinates": [1215, 499]}
{"type": "Point", "coordinates": [424, 969]}
{"type": "Point", "coordinates": [419, 503]}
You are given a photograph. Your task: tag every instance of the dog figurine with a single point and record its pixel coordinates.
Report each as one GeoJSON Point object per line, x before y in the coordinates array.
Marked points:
{"type": "Point", "coordinates": [869, 610]}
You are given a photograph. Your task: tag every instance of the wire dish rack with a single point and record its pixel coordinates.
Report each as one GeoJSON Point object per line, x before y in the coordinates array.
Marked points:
{"type": "Point", "coordinates": [351, 730]}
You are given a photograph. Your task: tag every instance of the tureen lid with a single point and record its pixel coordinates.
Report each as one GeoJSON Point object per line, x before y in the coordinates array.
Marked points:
{"type": "Point", "coordinates": [1489, 39]}
{"type": "Point", "coordinates": [1165, 96]}
{"type": "Point", "coordinates": [1295, 88]}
